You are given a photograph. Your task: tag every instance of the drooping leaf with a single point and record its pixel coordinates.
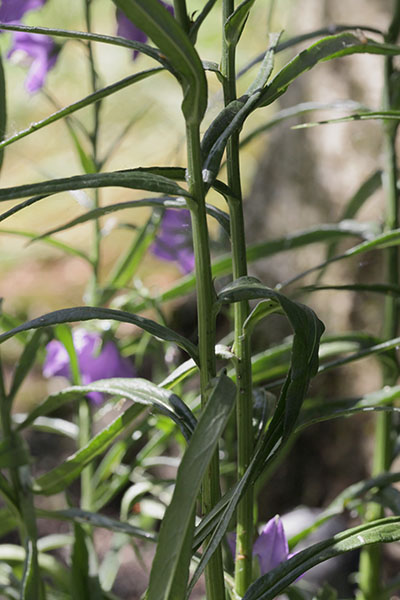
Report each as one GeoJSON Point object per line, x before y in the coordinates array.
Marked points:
{"type": "Point", "coordinates": [152, 18]}
{"type": "Point", "coordinates": [178, 519]}
{"type": "Point", "coordinates": [25, 362]}
{"type": "Point", "coordinates": [86, 313]}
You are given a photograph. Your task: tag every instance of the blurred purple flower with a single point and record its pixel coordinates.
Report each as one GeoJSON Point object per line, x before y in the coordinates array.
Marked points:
{"type": "Point", "coordinates": [128, 30]}
{"type": "Point", "coordinates": [95, 362]}
{"type": "Point", "coordinates": [41, 52]}
{"type": "Point", "coordinates": [173, 241]}
{"type": "Point", "coordinates": [14, 10]}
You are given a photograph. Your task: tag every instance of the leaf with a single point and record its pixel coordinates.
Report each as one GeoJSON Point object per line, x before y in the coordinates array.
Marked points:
{"type": "Point", "coordinates": [268, 586]}
{"type": "Point", "coordinates": [47, 563]}
{"type": "Point", "coordinates": [77, 515]}
{"type": "Point", "coordinates": [330, 47]}
{"type": "Point", "coordinates": [55, 243]}
{"type": "Point", "coordinates": [87, 101]}
{"type": "Point", "coordinates": [165, 202]}
{"type": "Point", "coordinates": [80, 584]}
{"type": "Point", "coordinates": [360, 116]}
{"type": "Point", "coordinates": [235, 23]}
{"type": "Point", "coordinates": [86, 313]}
{"type": "Point", "coordinates": [223, 265]}
{"type": "Point", "coordinates": [152, 18]}
{"type": "Point", "coordinates": [307, 333]}
{"type": "Point", "coordinates": [137, 390]}
{"type": "Point", "coordinates": [60, 477]}
{"type": "Point", "coordinates": [384, 240]}
{"type": "Point", "coordinates": [139, 179]}
{"type": "Point", "coordinates": [25, 362]}
{"type": "Point", "coordinates": [173, 548]}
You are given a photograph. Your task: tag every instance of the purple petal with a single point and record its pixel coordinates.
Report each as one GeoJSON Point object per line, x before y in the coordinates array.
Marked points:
{"type": "Point", "coordinates": [14, 10]}
{"type": "Point", "coordinates": [128, 30]}
{"type": "Point", "coordinates": [95, 362]}
{"type": "Point", "coordinates": [271, 547]}
{"type": "Point", "coordinates": [173, 241]}
{"type": "Point", "coordinates": [42, 52]}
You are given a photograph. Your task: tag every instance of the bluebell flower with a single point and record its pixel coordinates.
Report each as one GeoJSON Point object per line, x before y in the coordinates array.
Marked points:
{"type": "Point", "coordinates": [96, 360]}
{"type": "Point", "coordinates": [14, 10]}
{"type": "Point", "coordinates": [40, 52]}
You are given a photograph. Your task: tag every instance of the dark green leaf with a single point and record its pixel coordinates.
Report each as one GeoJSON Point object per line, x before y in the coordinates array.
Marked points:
{"type": "Point", "coordinates": [139, 179]}
{"type": "Point", "coordinates": [87, 313]}
{"type": "Point", "coordinates": [235, 23]}
{"type": "Point", "coordinates": [3, 109]}
{"type": "Point", "coordinates": [26, 361]}
{"type": "Point", "coordinates": [178, 518]}
{"type": "Point", "coordinates": [152, 18]}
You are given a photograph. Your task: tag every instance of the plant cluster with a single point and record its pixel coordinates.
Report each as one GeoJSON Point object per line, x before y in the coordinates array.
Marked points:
{"type": "Point", "coordinates": [215, 405]}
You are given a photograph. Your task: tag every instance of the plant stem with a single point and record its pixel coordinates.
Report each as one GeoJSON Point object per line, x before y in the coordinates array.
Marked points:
{"type": "Point", "coordinates": [94, 138]}
{"type": "Point", "coordinates": [181, 15]}
{"type": "Point", "coordinates": [371, 557]}
{"type": "Point", "coordinates": [244, 527]}
{"type": "Point", "coordinates": [206, 328]}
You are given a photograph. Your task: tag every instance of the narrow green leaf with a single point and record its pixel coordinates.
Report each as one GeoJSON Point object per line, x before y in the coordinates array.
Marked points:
{"type": "Point", "coordinates": [139, 179]}
{"type": "Point", "coordinates": [25, 362]}
{"type": "Point", "coordinates": [55, 243]}
{"type": "Point", "coordinates": [49, 564]}
{"type": "Point", "coordinates": [178, 518]}
{"type": "Point", "coordinates": [276, 581]}
{"type": "Point", "coordinates": [235, 23]}
{"type": "Point", "coordinates": [378, 288]}
{"type": "Point", "coordinates": [223, 265]}
{"type": "Point", "coordinates": [87, 313]}
{"type": "Point", "coordinates": [359, 116]}
{"type": "Point", "coordinates": [87, 101]}
{"type": "Point", "coordinates": [89, 37]}
{"type": "Point", "coordinates": [77, 515]}
{"type": "Point", "coordinates": [307, 333]}
{"type": "Point", "coordinates": [60, 477]}
{"type": "Point", "coordinates": [80, 584]}
{"type": "Point", "coordinates": [328, 48]}
{"type": "Point", "coordinates": [152, 18]}
{"type": "Point", "coordinates": [166, 202]}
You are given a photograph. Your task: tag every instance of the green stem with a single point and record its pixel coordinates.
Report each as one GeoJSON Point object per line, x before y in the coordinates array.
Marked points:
{"type": "Point", "coordinates": [244, 527]}
{"type": "Point", "coordinates": [181, 15]}
{"type": "Point", "coordinates": [206, 330]}
{"type": "Point", "coordinates": [370, 578]}
{"type": "Point", "coordinates": [94, 138]}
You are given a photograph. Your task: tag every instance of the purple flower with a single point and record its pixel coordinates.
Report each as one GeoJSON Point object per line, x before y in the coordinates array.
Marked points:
{"type": "Point", "coordinates": [173, 241]}
{"type": "Point", "coordinates": [14, 10]}
{"type": "Point", "coordinates": [128, 30]}
{"type": "Point", "coordinates": [41, 52]}
{"type": "Point", "coordinates": [271, 547]}
{"type": "Point", "coordinates": [95, 361]}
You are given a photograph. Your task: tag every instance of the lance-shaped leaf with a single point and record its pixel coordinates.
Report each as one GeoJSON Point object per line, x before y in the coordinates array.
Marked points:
{"type": "Point", "coordinates": [276, 581]}
{"type": "Point", "coordinates": [307, 333]}
{"type": "Point", "coordinates": [139, 179]}
{"type": "Point", "coordinates": [174, 546]}
{"type": "Point", "coordinates": [235, 23]}
{"type": "Point", "coordinates": [152, 18]}
{"type": "Point", "coordinates": [87, 101]}
{"type": "Point", "coordinates": [139, 391]}
{"type": "Point", "coordinates": [86, 313]}
{"type": "Point", "coordinates": [330, 47]}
